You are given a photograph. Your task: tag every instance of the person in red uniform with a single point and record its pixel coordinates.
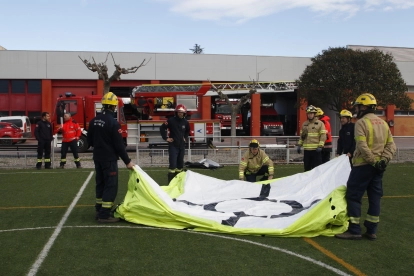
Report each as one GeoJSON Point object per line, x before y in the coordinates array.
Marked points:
{"type": "Point", "coordinates": [71, 132]}
{"type": "Point", "coordinates": [327, 147]}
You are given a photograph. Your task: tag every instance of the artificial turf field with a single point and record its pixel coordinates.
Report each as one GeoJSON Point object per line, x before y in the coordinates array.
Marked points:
{"type": "Point", "coordinates": [47, 227]}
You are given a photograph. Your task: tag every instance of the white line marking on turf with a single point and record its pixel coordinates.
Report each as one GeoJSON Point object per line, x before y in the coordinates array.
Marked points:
{"type": "Point", "coordinates": [46, 248]}
{"type": "Point", "coordinates": [331, 268]}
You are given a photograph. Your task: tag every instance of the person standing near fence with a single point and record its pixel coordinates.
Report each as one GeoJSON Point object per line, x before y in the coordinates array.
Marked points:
{"type": "Point", "coordinates": [375, 147]}
{"type": "Point", "coordinates": [44, 136]}
{"type": "Point", "coordinates": [71, 132]}
{"type": "Point", "coordinates": [176, 131]}
{"type": "Point", "coordinates": [104, 135]}
{"type": "Point", "coordinates": [255, 162]}
{"type": "Point", "coordinates": [346, 139]}
{"type": "Point", "coordinates": [327, 147]}
{"type": "Point", "coordinates": [312, 138]}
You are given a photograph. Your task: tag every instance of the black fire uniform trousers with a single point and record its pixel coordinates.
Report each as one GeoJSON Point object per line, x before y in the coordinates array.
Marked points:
{"type": "Point", "coordinates": [326, 155]}
{"type": "Point", "coordinates": [106, 186]}
{"type": "Point", "coordinates": [175, 157]}
{"type": "Point", "coordinates": [364, 178]}
{"type": "Point", "coordinates": [311, 159]}
{"type": "Point", "coordinates": [73, 145]}
{"type": "Point", "coordinates": [45, 146]}
{"type": "Point", "coordinates": [251, 177]}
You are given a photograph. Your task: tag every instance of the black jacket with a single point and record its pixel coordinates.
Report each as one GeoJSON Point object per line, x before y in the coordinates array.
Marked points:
{"type": "Point", "coordinates": [179, 130]}
{"type": "Point", "coordinates": [104, 135]}
{"type": "Point", "coordinates": [346, 140]}
{"type": "Point", "coordinates": [43, 131]}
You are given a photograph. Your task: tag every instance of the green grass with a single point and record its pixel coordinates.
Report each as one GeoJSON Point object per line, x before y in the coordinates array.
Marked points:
{"type": "Point", "coordinates": [34, 202]}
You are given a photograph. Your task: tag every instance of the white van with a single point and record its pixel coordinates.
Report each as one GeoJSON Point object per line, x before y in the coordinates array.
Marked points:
{"type": "Point", "coordinates": [22, 122]}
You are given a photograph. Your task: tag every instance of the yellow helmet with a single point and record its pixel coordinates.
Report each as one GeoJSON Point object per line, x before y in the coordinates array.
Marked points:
{"type": "Point", "coordinates": [110, 98]}
{"type": "Point", "coordinates": [311, 109]}
{"type": "Point", "coordinates": [254, 144]}
{"type": "Point", "coordinates": [345, 113]}
{"type": "Point", "coordinates": [365, 99]}
{"type": "Point", "coordinates": [319, 111]}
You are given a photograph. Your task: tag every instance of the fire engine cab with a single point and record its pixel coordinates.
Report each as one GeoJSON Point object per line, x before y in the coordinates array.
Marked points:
{"type": "Point", "coordinates": [153, 104]}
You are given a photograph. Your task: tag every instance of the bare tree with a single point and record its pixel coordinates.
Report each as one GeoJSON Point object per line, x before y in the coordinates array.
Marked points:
{"type": "Point", "coordinates": [102, 70]}
{"type": "Point", "coordinates": [197, 49]}
{"type": "Point", "coordinates": [235, 108]}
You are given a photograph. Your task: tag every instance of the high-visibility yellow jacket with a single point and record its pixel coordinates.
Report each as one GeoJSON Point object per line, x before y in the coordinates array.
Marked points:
{"type": "Point", "coordinates": [252, 163]}
{"type": "Point", "coordinates": [312, 134]}
{"type": "Point", "coordinates": [373, 141]}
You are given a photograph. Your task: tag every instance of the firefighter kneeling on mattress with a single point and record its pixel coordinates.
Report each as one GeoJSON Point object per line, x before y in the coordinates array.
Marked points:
{"type": "Point", "coordinates": [255, 162]}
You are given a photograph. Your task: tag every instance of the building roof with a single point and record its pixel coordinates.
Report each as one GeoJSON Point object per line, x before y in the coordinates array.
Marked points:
{"type": "Point", "coordinates": [399, 53]}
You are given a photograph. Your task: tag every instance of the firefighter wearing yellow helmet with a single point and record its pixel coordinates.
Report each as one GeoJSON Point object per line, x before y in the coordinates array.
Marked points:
{"type": "Point", "coordinates": [375, 147]}
{"type": "Point", "coordinates": [255, 162]}
{"type": "Point", "coordinates": [346, 141]}
{"type": "Point", "coordinates": [312, 139]}
{"type": "Point", "coordinates": [104, 135]}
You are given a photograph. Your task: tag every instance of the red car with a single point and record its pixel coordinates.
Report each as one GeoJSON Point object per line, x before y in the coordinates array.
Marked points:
{"type": "Point", "coordinates": [10, 133]}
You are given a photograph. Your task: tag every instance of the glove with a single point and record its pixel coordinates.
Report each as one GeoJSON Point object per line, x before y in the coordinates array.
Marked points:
{"type": "Point", "coordinates": [318, 149]}
{"type": "Point", "coordinates": [299, 150]}
{"type": "Point", "coordinates": [380, 165]}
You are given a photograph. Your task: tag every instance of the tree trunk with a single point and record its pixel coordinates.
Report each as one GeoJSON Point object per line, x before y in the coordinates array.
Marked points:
{"type": "Point", "coordinates": [106, 87]}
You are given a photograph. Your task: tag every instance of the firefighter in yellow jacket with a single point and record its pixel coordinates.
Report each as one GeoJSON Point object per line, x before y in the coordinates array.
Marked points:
{"type": "Point", "coordinates": [312, 139]}
{"type": "Point", "coordinates": [375, 147]}
{"type": "Point", "coordinates": [255, 162]}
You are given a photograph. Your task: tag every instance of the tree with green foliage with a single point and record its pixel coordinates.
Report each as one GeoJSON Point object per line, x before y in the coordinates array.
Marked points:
{"type": "Point", "coordinates": [339, 75]}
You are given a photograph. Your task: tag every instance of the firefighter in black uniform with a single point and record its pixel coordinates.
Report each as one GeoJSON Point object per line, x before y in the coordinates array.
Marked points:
{"type": "Point", "coordinates": [104, 135]}
{"type": "Point", "coordinates": [44, 137]}
{"type": "Point", "coordinates": [178, 136]}
{"type": "Point", "coordinates": [346, 140]}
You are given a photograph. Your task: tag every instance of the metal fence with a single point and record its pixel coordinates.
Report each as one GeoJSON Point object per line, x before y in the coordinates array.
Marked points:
{"type": "Point", "coordinates": [281, 149]}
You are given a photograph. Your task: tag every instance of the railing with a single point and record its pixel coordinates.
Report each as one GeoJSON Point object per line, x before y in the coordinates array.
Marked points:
{"type": "Point", "coordinates": [281, 149]}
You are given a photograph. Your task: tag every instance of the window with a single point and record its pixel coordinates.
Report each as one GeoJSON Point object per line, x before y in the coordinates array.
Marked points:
{"type": "Point", "coordinates": [4, 113]}
{"type": "Point", "coordinates": [18, 113]}
{"type": "Point", "coordinates": [18, 86]}
{"type": "Point", "coordinates": [34, 87]}
{"type": "Point", "coordinates": [34, 116]}
{"type": "Point", "coordinates": [4, 86]}
{"type": "Point", "coordinates": [380, 112]}
{"type": "Point", "coordinates": [404, 112]}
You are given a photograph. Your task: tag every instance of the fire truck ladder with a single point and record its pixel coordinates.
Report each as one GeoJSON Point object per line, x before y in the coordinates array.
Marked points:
{"type": "Point", "coordinates": [261, 87]}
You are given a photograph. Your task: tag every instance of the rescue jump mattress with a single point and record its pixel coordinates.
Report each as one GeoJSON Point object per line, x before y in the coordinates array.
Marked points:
{"type": "Point", "coordinates": [302, 205]}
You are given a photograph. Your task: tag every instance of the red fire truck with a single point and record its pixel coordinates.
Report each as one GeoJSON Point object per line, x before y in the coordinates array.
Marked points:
{"type": "Point", "coordinates": [222, 112]}
{"type": "Point", "coordinates": [152, 104]}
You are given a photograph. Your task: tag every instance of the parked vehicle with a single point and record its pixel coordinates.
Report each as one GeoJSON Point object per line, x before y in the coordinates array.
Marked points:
{"type": "Point", "coordinates": [22, 122]}
{"type": "Point", "coordinates": [10, 133]}
{"type": "Point", "coordinates": [152, 104]}
{"type": "Point", "coordinates": [270, 123]}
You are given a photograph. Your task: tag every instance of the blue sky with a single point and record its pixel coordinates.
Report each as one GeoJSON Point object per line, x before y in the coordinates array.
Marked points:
{"type": "Point", "coordinates": [300, 28]}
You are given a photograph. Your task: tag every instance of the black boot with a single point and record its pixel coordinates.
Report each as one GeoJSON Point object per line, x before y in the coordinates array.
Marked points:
{"type": "Point", "coordinates": [171, 176]}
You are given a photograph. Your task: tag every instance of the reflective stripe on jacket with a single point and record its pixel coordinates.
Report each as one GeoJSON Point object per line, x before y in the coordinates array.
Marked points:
{"type": "Point", "coordinates": [373, 141]}
{"type": "Point", "coordinates": [253, 163]}
{"type": "Point", "coordinates": [312, 134]}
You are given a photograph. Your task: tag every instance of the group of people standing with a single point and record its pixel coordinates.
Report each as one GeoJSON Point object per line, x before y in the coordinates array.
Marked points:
{"type": "Point", "coordinates": [369, 145]}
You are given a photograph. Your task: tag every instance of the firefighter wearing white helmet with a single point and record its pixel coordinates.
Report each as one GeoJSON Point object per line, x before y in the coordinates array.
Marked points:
{"type": "Point", "coordinates": [312, 139]}
{"type": "Point", "coordinates": [346, 140]}
{"type": "Point", "coordinates": [104, 135]}
{"type": "Point", "coordinates": [255, 162]}
{"type": "Point", "coordinates": [375, 147]}
{"type": "Point", "coordinates": [179, 130]}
